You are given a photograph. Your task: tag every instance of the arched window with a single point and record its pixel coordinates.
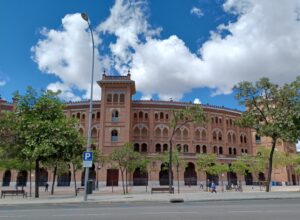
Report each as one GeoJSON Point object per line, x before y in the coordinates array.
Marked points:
{"type": "Point", "coordinates": [185, 148]}
{"type": "Point", "coordinates": [136, 131]}
{"type": "Point", "coordinates": [185, 133]}
{"type": "Point", "coordinates": [140, 115]}
{"type": "Point", "coordinates": [230, 151]}
{"type": "Point", "coordinates": [136, 147]}
{"type": "Point", "coordinates": [204, 149]}
{"type": "Point", "coordinates": [93, 147]}
{"type": "Point", "coordinates": [233, 138]}
{"type": "Point", "coordinates": [98, 115]}
{"type": "Point", "coordinates": [178, 147]}
{"type": "Point", "coordinates": [246, 151]}
{"type": "Point", "coordinates": [122, 98]}
{"type": "Point", "coordinates": [144, 148]}
{"type": "Point", "coordinates": [135, 115]}
{"type": "Point", "coordinates": [161, 115]}
{"type": "Point", "coordinates": [165, 132]}
{"type": "Point", "coordinates": [115, 98]}
{"type": "Point", "coordinates": [215, 150]}
{"type": "Point", "coordinates": [220, 120]}
{"type": "Point", "coordinates": [257, 139]}
{"type": "Point", "coordinates": [165, 147]}
{"type": "Point", "coordinates": [198, 149]}
{"type": "Point", "coordinates": [178, 134]}
{"type": "Point", "coordinates": [167, 117]}
{"type": "Point", "coordinates": [114, 135]}
{"type": "Point", "coordinates": [220, 135]}
{"type": "Point", "coordinates": [245, 139]}
{"type": "Point", "coordinates": [93, 116]}
{"type": "Point", "coordinates": [215, 135]}
{"type": "Point", "coordinates": [78, 115]}
{"type": "Point", "coordinates": [216, 120]}
{"type": "Point", "coordinates": [242, 150]}
{"type": "Point", "coordinates": [212, 120]}
{"type": "Point", "coordinates": [220, 150]}
{"type": "Point", "coordinates": [197, 134]}
{"type": "Point", "coordinates": [241, 138]}
{"type": "Point", "coordinates": [157, 148]}
{"type": "Point", "coordinates": [109, 98]}
{"type": "Point", "coordinates": [156, 116]}
{"type": "Point", "coordinates": [234, 151]}
{"type": "Point", "coordinates": [146, 115]}
{"type": "Point", "coordinates": [203, 135]}
{"type": "Point", "coordinates": [115, 116]}
{"type": "Point", "coordinates": [144, 132]}
{"type": "Point", "coordinates": [157, 132]}
{"type": "Point", "coordinates": [229, 138]}
{"type": "Point", "coordinates": [83, 116]}
{"type": "Point", "coordinates": [94, 133]}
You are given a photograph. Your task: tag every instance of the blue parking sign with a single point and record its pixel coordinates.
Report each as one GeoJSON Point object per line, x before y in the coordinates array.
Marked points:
{"type": "Point", "coordinates": [87, 156]}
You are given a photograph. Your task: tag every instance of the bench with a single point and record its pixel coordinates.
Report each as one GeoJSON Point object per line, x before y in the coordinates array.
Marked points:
{"type": "Point", "coordinates": [79, 189]}
{"type": "Point", "coordinates": [161, 189]}
{"type": "Point", "coordinates": [13, 193]}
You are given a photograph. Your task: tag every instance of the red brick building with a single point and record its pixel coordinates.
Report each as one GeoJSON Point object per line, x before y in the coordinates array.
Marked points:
{"type": "Point", "coordinates": [118, 119]}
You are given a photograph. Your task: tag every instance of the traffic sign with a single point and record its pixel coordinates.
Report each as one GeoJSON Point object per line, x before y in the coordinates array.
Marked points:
{"type": "Point", "coordinates": [87, 156]}
{"type": "Point", "coordinates": [87, 159]}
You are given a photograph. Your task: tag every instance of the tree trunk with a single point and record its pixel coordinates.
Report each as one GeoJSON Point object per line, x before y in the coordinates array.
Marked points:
{"type": "Point", "coordinates": [126, 181]}
{"type": "Point", "coordinates": [37, 178]}
{"type": "Point", "coordinates": [177, 169]}
{"type": "Point", "coordinates": [30, 181]}
{"type": "Point", "coordinates": [170, 167]}
{"type": "Point", "coordinates": [53, 181]}
{"type": "Point", "coordinates": [206, 183]}
{"type": "Point", "coordinates": [268, 187]}
{"type": "Point", "coordinates": [241, 187]}
{"type": "Point", "coordinates": [122, 175]}
{"type": "Point", "coordinates": [74, 177]}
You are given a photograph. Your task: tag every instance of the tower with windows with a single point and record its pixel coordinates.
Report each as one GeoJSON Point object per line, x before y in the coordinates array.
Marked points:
{"type": "Point", "coordinates": [116, 109]}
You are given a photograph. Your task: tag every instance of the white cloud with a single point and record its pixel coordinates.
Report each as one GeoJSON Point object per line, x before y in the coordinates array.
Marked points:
{"type": "Point", "coordinates": [263, 41]}
{"type": "Point", "coordinates": [196, 11]}
{"type": "Point", "coordinates": [67, 53]}
{"type": "Point", "coordinates": [128, 22]}
{"type": "Point", "coordinates": [197, 101]}
{"type": "Point", "coordinates": [2, 83]}
{"type": "Point", "coordinates": [298, 146]}
{"type": "Point", "coordinates": [66, 92]}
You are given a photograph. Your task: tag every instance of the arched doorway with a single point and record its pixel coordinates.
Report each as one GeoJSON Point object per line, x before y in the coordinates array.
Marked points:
{"type": "Point", "coordinates": [43, 177]}
{"type": "Point", "coordinates": [232, 178]}
{"type": "Point", "coordinates": [248, 178]}
{"type": "Point", "coordinates": [140, 178]}
{"type": "Point", "coordinates": [112, 178]}
{"type": "Point", "coordinates": [22, 178]}
{"type": "Point", "coordinates": [6, 178]}
{"type": "Point", "coordinates": [164, 175]}
{"type": "Point", "coordinates": [190, 175]}
{"type": "Point", "coordinates": [92, 176]}
{"type": "Point", "coordinates": [212, 178]}
{"type": "Point", "coordinates": [64, 179]}
{"type": "Point", "coordinates": [261, 177]}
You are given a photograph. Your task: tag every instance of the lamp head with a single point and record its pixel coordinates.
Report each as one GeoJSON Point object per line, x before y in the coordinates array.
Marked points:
{"type": "Point", "coordinates": [85, 16]}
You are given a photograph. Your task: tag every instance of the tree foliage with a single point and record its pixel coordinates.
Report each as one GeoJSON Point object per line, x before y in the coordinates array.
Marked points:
{"type": "Point", "coordinates": [272, 110]}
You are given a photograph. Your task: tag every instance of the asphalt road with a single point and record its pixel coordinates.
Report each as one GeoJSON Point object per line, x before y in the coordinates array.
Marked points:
{"type": "Point", "coordinates": [282, 209]}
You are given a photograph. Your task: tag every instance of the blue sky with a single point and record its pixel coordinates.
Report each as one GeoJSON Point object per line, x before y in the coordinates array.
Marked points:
{"type": "Point", "coordinates": [191, 50]}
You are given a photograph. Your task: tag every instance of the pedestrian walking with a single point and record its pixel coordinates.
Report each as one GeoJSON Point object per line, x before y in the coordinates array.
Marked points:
{"type": "Point", "coordinates": [46, 187]}
{"type": "Point", "coordinates": [213, 188]}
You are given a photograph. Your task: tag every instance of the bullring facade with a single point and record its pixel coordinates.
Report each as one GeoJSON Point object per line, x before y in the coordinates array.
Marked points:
{"type": "Point", "coordinates": [117, 119]}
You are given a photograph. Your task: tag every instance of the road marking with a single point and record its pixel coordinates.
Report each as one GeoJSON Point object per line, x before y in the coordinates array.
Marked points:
{"type": "Point", "coordinates": [12, 216]}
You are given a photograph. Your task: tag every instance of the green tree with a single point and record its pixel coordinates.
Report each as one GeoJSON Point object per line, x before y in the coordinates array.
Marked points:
{"type": "Point", "coordinates": [177, 161]}
{"type": "Point", "coordinates": [205, 163]}
{"type": "Point", "coordinates": [126, 159]}
{"type": "Point", "coordinates": [181, 117]}
{"type": "Point", "coordinates": [40, 130]}
{"type": "Point", "coordinates": [241, 167]}
{"type": "Point", "coordinates": [272, 111]}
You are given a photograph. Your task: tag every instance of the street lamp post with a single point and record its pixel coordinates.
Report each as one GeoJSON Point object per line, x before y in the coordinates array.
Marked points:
{"type": "Point", "coordinates": [86, 177]}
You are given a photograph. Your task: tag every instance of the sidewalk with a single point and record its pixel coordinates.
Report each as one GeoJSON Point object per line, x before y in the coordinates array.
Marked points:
{"type": "Point", "coordinates": [139, 194]}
